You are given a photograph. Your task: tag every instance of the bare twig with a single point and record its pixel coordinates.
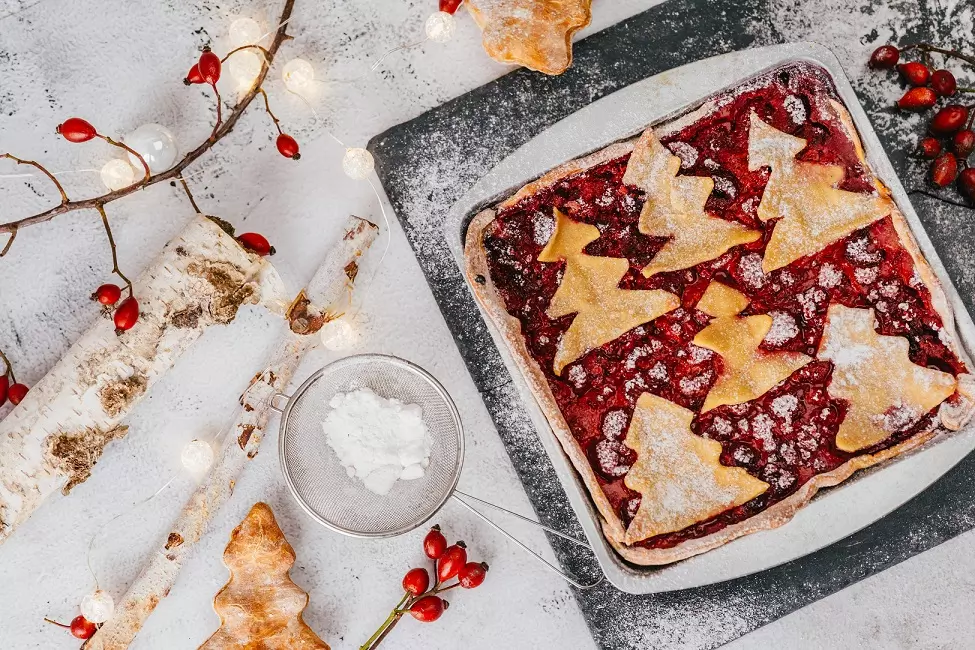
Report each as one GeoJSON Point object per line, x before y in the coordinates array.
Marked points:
{"type": "Point", "coordinates": [932, 195]}
{"type": "Point", "coordinates": [57, 183]}
{"type": "Point", "coordinates": [927, 47]}
{"type": "Point", "coordinates": [176, 170]}
{"type": "Point", "coordinates": [10, 242]}
{"type": "Point", "coordinates": [111, 243]}
{"type": "Point", "coordinates": [189, 195]}
{"type": "Point", "coordinates": [216, 127]}
{"type": "Point", "coordinates": [122, 145]}
{"type": "Point", "coordinates": [267, 106]}
{"type": "Point", "coordinates": [9, 368]}
{"type": "Point", "coordinates": [267, 55]}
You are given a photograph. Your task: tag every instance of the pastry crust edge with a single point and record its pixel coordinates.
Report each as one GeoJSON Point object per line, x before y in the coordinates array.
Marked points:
{"type": "Point", "coordinates": [509, 327]}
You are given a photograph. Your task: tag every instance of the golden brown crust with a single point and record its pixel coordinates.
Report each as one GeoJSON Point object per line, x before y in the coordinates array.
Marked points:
{"type": "Point", "coordinates": [260, 607]}
{"type": "Point", "coordinates": [534, 33]}
{"type": "Point", "coordinates": [776, 515]}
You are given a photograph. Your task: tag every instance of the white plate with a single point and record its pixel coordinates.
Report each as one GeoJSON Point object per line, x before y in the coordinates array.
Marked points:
{"type": "Point", "coordinates": [834, 513]}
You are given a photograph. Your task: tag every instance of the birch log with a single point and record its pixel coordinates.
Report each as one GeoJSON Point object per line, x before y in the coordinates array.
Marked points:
{"type": "Point", "coordinates": [322, 300]}
{"type": "Point", "coordinates": [54, 437]}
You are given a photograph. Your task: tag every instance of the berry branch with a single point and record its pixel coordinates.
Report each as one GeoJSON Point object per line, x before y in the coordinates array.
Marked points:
{"type": "Point", "coordinates": [420, 600]}
{"type": "Point", "coordinates": [9, 388]}
{"type": "Point", "coordinates": [222, 129]}
{"type": "Point", "coordinates": [949, 140]}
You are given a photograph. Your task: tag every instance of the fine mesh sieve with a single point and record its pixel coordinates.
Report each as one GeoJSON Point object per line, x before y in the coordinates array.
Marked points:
{"type": "Point", "coordinates": [325, 490]}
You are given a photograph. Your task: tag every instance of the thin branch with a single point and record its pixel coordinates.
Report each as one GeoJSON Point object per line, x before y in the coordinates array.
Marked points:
{"type": "Point", "coordinates": [267, 55]}
{"type": "Point", "coordinates": [10, 368]}
{"type": "Point", "coordinates": [57, 183]}
{"type": "Point", "coordinates": [132, 151]}
{"type": "Point", "coordinates": [267, 106]}
{"type": "Point", "coordinates": [111, 243]}
{"type": "Point", "coordinates": [10, 242]}
{"type": "Point", "coordinates": [176, 170]}
{"type": "Point", "coordinates": [932, 195]}
{"type": "Point", "coordinates": [216, 127]}
{"type": "Point", "coordinates": [189, 195]}
{"type": "Point", "coordinates": [927, 47]}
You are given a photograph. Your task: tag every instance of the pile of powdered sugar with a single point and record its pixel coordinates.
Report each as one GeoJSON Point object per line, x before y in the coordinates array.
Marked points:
{"type": "Point", "coordinates": [377, 440]}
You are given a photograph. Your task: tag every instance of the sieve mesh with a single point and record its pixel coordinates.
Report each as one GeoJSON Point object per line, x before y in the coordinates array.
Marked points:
{"type": "Point", "coordinates": [320, 483]}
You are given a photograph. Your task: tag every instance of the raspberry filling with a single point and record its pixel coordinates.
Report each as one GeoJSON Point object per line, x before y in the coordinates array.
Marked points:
{"type": "Point", "coordinates": [786, 436]}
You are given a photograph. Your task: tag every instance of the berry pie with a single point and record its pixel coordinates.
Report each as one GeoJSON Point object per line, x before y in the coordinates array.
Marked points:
{"type": "Point", "coordinates": [722, 315]}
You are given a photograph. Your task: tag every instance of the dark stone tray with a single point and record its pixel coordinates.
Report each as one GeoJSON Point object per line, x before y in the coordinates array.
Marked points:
{"type": "Point", "coordinates": [426, 164]}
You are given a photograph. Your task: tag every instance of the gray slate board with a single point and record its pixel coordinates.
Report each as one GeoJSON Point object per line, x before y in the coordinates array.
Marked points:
{"type": "Point", "coordinates": [428, 163]}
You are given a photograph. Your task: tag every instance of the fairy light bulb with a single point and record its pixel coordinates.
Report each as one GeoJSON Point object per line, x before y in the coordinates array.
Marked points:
{"type": "Point", "coordinates": [338, 334]}
{"type": "Point", "coordinates": [156, 144]}
{"type": "Point", "coordinates": [298, 75]}
{"type": "Point", "coordinates": [117, 173]}
{"type": "Point", "coordinates": [97, 607]}
{"type": "Point", "coordinates": [197, 456]}
{"type": "Point", "coordinates": [358, 163]}
{"type": "Point", "coordinates": [440, 27]}
{"type": "Point", "coordinates": [244, 31]}
{"type": "Point", "coordinates": [245, 66]}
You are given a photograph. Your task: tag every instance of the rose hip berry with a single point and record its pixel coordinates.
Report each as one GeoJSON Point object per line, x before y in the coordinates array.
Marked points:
{"type": "Point", "coordinates": [964, 143]}
{"type": "Point", "coordinates": [944, 170]}
{"type": "Point", "coordinates": [288, 146]}
{"type": "Point", "coordinates": [449, 6]}
{"type": "Point", "coordinates": [966, 183]}
{"type": "Point", "coordinates": [453, 559]}
{"type": "Point", "coordinates": [209, 66]}
{"type": "Point", "coordinates": [416, 581]}
{"type": "Point", "coordinates": [107, 294]}
{"type": "Point", "coordinates": [472, 574]}
{"type": "Point", "coordinates": [943, 83]}
{"type": "Point", "coordinates": [917, 99]}
{"type": "Point", "coordinates": [929, 148]}
{"type": "Point", "coordinates": [256, 243]}
{"type": "Point", "coordinates": [435, 544]}
{"type": "Point", "coordinates": [4, 385]}
{"type": "Point", "coordinates": [884, 57]}
{"type": "Point", "coordinates": [127, 315]}
{"type": "Point", "coordinates": [16, 393]}
{"type": "Point", "coordinates": [914, 73]}
{"type": "Point", "coordinates": [82, 628]}
{"type": "Point", "coordinates": [949, 119]}
{"type": "Point", "coordinates": [428, 609]}
{"type": "Point", "coordinates": [75, 129]}
{"type": "Point", "coordinates": [194, 76]}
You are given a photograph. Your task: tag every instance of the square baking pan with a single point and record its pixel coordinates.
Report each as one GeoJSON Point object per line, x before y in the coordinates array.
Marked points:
{"type": "Point", "coordinates": [835, 512]}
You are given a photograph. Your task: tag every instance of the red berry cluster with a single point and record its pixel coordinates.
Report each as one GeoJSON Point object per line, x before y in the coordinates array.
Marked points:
{"type": "Point", "coordinates": [80, 627]}
{"type": "Point", "coordinates": [207, 71]}
{"type": "Point", "coordinates": [449, 562]}
{"type": "Point", "coordinates": [126, 314]}
{"type": "Point", "coordinates": [950, 139]}
{"type": "Point", "coordinates": [9, 388]}
{"type": "Point", "coordinates": [449, 6]}
{"type": "Point", "coordinates": [421, 600]}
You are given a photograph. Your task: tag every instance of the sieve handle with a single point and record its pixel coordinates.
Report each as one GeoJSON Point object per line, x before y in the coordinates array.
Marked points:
{"type": "Point", "coordinates": [568, 578]}
{"type": "Point", "coordinates": [279, 401]}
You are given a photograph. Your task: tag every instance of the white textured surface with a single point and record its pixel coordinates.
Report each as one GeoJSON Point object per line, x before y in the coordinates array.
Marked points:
{"type": "Point", "coordinates": [121, 65]}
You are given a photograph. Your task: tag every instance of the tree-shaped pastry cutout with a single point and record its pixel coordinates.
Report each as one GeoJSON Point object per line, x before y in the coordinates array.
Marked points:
{"type": "Point", "coordinates": [675, 209]}
{"type": "Point", "coordinates": [886, 391]}
{"type": "Point", "coordinates": [812, 212]}
{"type": "Point", "coordinates": [534, 33]}
{"type": "Point", "coordinates": [678, 474]}
{"type": "Point", "coordinates": [748, 372]}
{"type": "Point", "coordinates": [261, 607]}
{"type": "Point", "coordinates": [590, 290]}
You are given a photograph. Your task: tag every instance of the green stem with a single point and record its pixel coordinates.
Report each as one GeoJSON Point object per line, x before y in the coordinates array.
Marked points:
{"type": "Point", "coordinates": [390, 621]}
